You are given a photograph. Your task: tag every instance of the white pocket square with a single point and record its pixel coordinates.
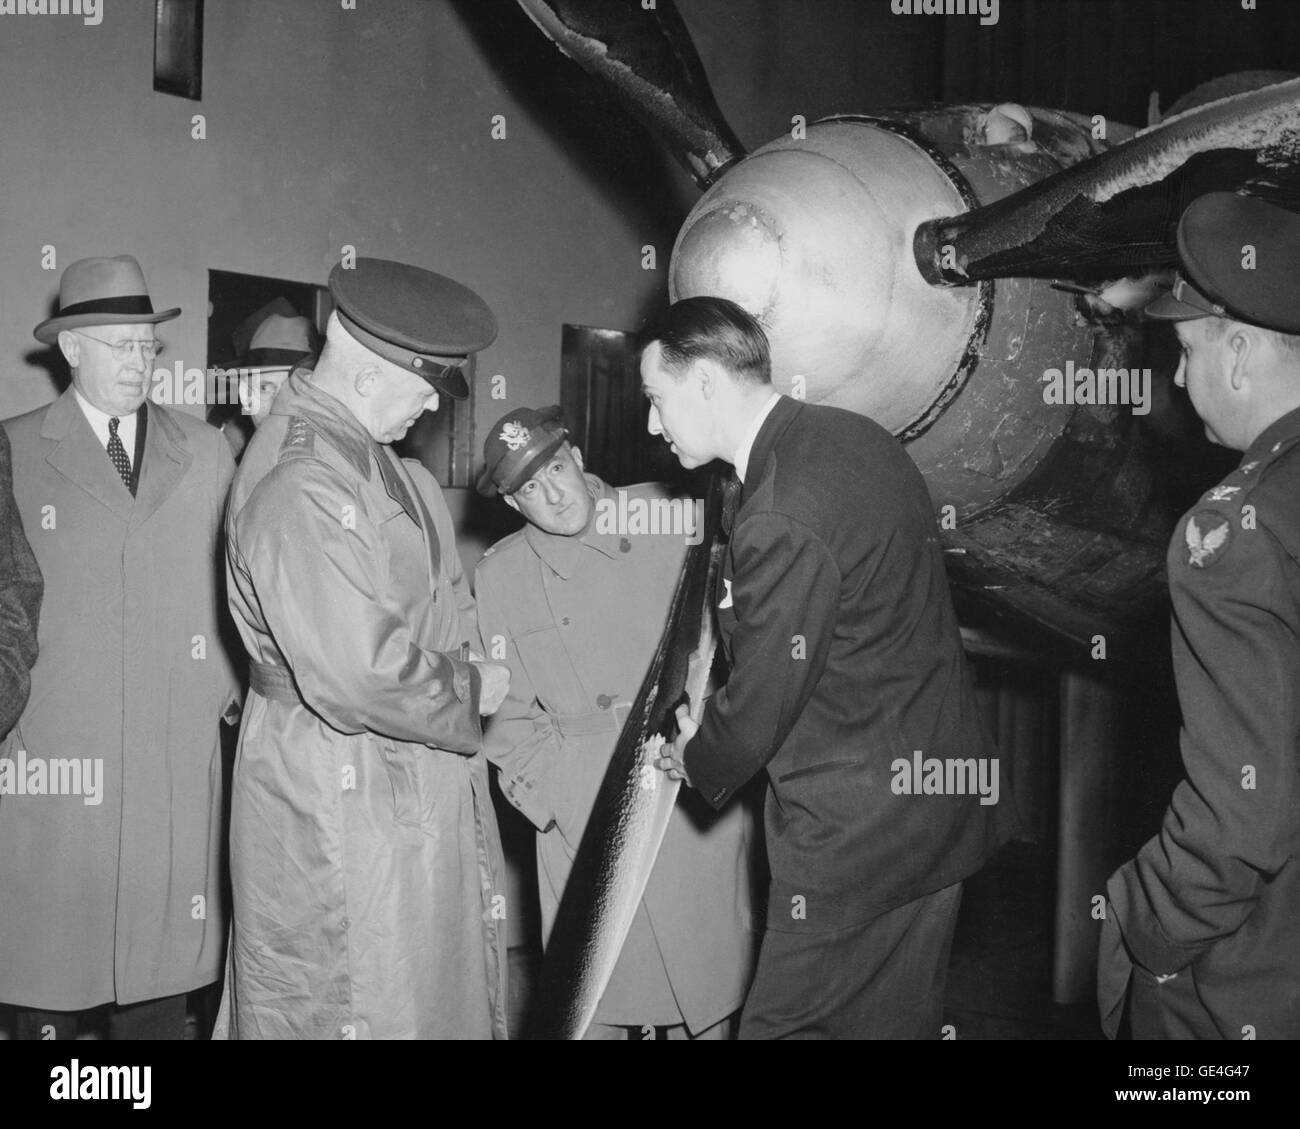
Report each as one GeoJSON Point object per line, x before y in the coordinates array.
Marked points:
{"type": "Point", "coordinates": [725, 602]}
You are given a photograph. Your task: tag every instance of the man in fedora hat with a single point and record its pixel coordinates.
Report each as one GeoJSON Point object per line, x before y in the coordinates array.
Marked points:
{"type": "Point", "coordinates": [1202, 929]}
{"type": "Point", "coordinates": [270, 345]}
{"type": "Point", "coordinates": [365, 860]}
{"type": "Point", "coordinates": [109, 843]}
{"type": "Point", "coordinates": [575, 604]}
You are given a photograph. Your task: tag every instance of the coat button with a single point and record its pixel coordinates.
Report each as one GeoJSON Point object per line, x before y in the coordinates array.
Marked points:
{"type": "Point", "coordinates": [565, 621]}
{"type": "Point", "coordinates": [604, 701]}
{"type": "Point", "coordinates": [624, 545]}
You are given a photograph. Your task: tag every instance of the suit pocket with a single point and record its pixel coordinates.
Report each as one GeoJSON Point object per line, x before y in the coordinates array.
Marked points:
{"type": "Point", "coordinates": [816, 769]}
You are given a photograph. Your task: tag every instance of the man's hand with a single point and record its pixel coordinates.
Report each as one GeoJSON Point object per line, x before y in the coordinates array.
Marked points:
{"type": "Point", "coordinates": [670, 756]}
{"type": "Point", "coordinates": [495, 679]}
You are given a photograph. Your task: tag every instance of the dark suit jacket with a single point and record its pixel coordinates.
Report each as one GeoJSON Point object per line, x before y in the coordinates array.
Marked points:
{"type": "Point", "coordinates": [21, 588]}
{"type": "Point", "coordinates": [845, 658]}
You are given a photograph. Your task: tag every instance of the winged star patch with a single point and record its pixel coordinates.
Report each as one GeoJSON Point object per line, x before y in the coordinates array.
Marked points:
{"type": "Point", "coordinates": [1207, 536]}
{"type": "Point", "coordinates": [514, 435]}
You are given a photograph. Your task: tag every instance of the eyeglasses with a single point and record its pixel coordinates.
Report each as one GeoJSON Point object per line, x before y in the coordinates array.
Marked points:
{"type": "Point", "coordinates": [122, 349]}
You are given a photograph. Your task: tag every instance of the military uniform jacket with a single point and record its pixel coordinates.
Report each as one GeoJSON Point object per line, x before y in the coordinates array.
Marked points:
{"type": "Point", "coordinates": [120, 899]}
{"type": "Point", "coordinates": [364, 849]}
{"type": "Point", "coordinates": [578, 620]}
{"type": "Point", "coordinates": [846, 660]}
{"type": "Point", "coordinates": [1215, 896]}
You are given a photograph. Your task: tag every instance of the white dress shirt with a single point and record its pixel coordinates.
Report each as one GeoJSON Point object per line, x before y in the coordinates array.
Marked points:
{"type": "Point", "coordinates": [99, 425]}
{"type": "Point", "coordinates": [741, 461]}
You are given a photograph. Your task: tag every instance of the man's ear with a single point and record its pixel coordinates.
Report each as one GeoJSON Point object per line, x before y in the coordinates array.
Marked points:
{"type": "Point", "coordinates": [70, 347]}
{"type": "Point", "coordinates": [510, 501]}
{"type": "Point", "coordinates": [365, 380]}
{"type": "Point", "coordinates": [704, 372]}
{"type": "Point", "coordinates": [576, 452]}
{"type": "Point", "coordinates": [1241, 346]}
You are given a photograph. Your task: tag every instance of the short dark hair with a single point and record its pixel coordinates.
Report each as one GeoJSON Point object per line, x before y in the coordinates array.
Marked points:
{"type": "Point", "coordinates": [716, 328]}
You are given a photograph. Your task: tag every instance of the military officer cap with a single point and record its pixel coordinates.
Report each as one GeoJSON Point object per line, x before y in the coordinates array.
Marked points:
{"type": "Point", "coordinates": [519, 442]}
{"type": "Point", "coordinates": [424, 322]}
{"type": "Point", "coordinates": [1240, 260]}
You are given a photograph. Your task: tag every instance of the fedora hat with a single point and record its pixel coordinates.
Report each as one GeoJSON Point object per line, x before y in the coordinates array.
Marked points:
{"type": "Point", "coordinates": [276, 336]}
{"type": "Point", "coordinates": [101, 291]}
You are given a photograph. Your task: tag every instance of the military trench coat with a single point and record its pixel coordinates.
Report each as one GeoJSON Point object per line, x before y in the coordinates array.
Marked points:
{"type": "Point", "coordinates": [364, 852]}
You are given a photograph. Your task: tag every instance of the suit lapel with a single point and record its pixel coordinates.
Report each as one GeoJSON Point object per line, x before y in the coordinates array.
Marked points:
{"type": "Point", "coordinates": [80, 458]}
{"type": "Point", "coordinates": [166, 459]}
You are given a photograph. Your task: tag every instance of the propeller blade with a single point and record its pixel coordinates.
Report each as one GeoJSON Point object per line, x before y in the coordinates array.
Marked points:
{"type": "Point", "coordinates": [647, 57]}
{"type": "Point", "coordinates": [1116, 214]}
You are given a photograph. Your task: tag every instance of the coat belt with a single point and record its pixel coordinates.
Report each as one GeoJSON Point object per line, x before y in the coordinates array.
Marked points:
{"type": "Point", "coordinates": [598, 721]}
{"type": "Point", "coordinates": [272, 682]}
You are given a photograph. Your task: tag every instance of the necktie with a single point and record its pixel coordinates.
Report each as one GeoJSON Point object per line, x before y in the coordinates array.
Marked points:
{"type": "Point", "coordinates": [117, 453]}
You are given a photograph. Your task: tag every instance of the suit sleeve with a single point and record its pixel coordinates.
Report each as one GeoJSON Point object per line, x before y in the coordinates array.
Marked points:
{"type": "Point", "coordinates": [21, 589]}
{"type": "Point", "coordinates": [316, 562]}
{"type": "Point", "coordinates": [520, 739]}
{"type": "Point", "coordinates": [786, 597]}
{"type": "Point", "coordinates": [1230, 825]}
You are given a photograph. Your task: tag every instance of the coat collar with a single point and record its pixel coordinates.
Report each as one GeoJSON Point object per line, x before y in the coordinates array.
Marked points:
{"type": "Point", "coordinates": [79, 457]}
{"type": "Point", "coordinates": [778, 419]}
{"type": "Point", "coordinates": [562, 554]}
{"type": "Point", "coordinates": [337, 426]}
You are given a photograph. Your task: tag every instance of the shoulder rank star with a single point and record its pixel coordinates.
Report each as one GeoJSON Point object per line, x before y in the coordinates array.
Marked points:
{"type": "Point", "coordinates": [1205, 542]}
{"type": "Point", "coordinates": [1222, 493]}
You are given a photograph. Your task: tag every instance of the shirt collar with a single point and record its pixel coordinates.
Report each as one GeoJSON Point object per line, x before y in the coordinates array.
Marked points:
{"type": "Point", "coordinates": [741, 461]}
{"type": "Point", "coordinates": [97, 419]}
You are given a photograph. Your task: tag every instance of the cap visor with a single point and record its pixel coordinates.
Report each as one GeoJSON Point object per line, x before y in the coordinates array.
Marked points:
{"type": "Point", "coordinates": [1169, 308]}
{"type": "Point", "coordinates": [457, 387]}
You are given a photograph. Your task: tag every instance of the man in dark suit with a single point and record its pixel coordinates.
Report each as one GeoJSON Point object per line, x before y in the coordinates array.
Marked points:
{"type": "Point", "coordinates": [848, 684]}
{"type": "Point", "coordinates": [20, 602]}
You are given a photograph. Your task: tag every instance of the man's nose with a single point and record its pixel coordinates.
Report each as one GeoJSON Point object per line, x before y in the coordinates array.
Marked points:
{"type": "Point", "coordinates": [654, 425]}
{"type": "Point", "coordinates": [1180, 374]}
{"type": "Point", "coordinates": [551, 492]}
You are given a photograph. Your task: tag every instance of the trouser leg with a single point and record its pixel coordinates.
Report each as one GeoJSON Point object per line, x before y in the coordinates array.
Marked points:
{"type": "Point", "coordinates": [881, 979]}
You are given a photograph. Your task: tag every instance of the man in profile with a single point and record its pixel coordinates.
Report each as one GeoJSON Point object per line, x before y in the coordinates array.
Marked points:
{"type": "Point", "coordinates": [845, 658]}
